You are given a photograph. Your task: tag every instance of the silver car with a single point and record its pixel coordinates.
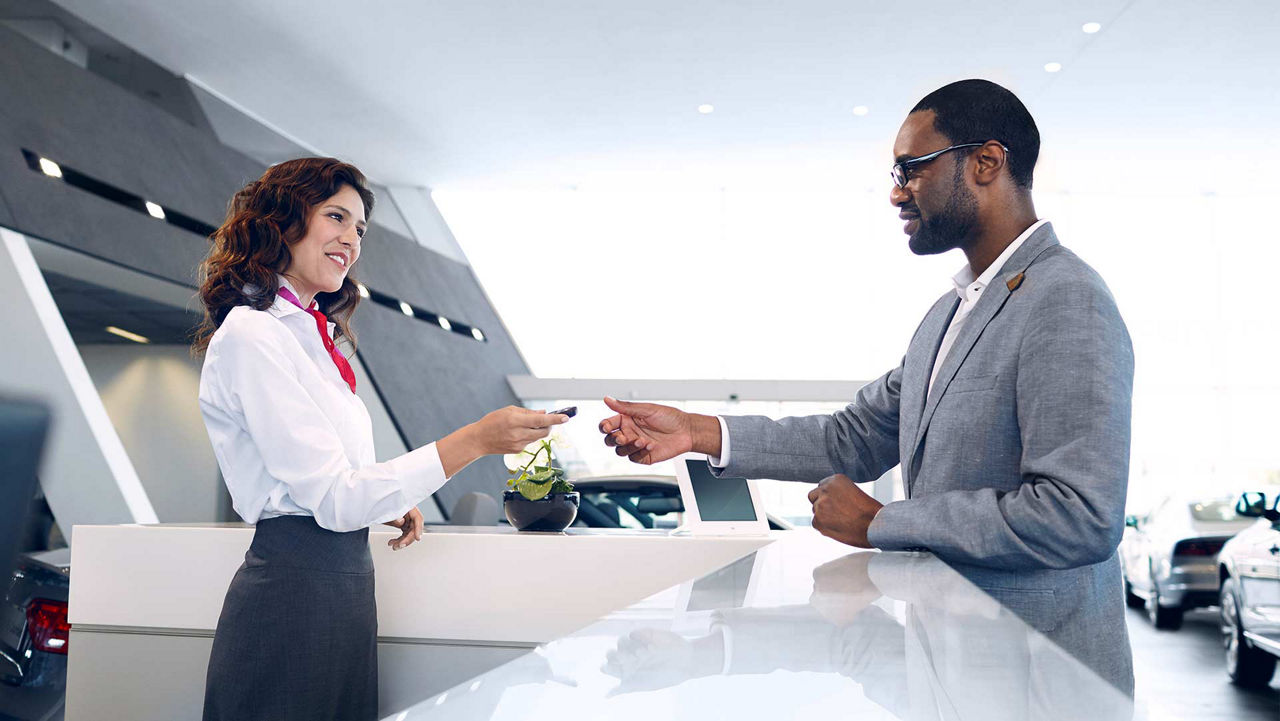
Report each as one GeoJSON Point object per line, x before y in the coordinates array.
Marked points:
{"type": "Point", "coordinates": [1170, 555]}
{"type": "Point", "coordinates": [1249, 566]}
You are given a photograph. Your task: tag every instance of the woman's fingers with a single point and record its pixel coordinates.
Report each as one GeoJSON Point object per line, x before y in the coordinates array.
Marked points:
{"type": "Point", "coordinates": [411, 526]}
{"type": "Point", "coordinates": [544, 420]}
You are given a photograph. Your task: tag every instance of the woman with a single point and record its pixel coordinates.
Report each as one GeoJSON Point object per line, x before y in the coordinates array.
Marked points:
{"type": "Point", "coordinates": [297, 638]}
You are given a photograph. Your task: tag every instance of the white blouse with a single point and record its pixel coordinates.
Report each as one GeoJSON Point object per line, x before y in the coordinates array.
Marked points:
{"type": "Point", "coordinates": [290, 436]}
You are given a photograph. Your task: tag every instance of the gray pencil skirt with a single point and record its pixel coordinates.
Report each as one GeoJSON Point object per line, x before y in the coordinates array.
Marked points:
{"type": "Point", "coordinates": [297, 638]}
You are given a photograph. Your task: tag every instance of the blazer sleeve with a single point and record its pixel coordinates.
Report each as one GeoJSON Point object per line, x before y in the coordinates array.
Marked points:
{"type": "Point", "coordinates": [258, 387]}
{"type": "Point", "coordinates": [860, 441]}
{"type": "Point", "coordinates": [1074, 394]}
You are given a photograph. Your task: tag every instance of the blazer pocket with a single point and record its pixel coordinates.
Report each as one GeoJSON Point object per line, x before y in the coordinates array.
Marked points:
{"type": "Point", "coordinates": [976, 383]}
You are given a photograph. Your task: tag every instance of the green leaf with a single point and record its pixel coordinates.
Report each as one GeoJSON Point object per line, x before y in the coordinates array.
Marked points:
{"type": "Point", "coordinates": [534, 491]}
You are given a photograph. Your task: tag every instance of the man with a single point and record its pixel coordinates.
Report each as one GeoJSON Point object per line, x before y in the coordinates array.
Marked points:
{"type": "Point", "coordinates": [1009, 413]}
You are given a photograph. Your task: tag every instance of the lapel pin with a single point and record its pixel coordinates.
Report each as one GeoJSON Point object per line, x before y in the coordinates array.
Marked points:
{"type": "Point", "coordinates": [1013, 283]}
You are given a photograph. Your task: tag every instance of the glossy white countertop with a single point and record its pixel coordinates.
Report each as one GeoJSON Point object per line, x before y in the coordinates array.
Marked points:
{"type": "Point", "coordinates": [456, 584]}
{"type": "Point", "coordinates": [804, 628]}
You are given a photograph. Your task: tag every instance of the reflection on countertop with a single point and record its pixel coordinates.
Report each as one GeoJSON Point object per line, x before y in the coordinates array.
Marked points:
{"type": "Point", "coordinates": [803, 627]}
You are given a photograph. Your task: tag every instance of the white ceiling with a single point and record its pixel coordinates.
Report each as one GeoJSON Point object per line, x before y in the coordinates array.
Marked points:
{"type": "Point", "coordinates": [1175, 95]}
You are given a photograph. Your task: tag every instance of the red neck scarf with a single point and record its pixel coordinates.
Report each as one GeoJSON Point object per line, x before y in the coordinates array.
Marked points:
{"type": "Point", "coordinates": [322, 324]}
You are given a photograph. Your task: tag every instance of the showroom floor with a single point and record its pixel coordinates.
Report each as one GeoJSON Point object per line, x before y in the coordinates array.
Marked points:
{"type": "Point", "coordinates": [1180, 674]}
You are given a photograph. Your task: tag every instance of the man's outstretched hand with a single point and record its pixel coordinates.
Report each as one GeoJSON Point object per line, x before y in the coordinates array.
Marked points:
{"type": "Point", "coordinates": [650, 433]}
{"type": "Point", "coordinates": [843, 511]}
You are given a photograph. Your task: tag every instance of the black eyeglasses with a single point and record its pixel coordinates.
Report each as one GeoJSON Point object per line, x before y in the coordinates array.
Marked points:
{"type": "Point", "coordinates": [901, 172]}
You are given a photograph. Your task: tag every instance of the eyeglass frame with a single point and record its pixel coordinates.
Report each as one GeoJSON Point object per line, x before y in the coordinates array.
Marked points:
{"type": "Point", "coordinates": [903, 166]}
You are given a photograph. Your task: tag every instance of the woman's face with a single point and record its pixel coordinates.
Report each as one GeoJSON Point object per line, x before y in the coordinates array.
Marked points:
{"type": "Point", "coordinates": [330, 247]}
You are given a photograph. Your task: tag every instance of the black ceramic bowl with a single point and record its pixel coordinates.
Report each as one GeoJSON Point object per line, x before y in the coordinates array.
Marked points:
{"type": "Point", "coordinates": [555, 512]}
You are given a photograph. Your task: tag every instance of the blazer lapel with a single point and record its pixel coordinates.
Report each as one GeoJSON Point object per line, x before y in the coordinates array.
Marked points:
{"type": "Point", "coordinates": [919, 363]}
{"type": "Point", "coordinates": [992, 300]}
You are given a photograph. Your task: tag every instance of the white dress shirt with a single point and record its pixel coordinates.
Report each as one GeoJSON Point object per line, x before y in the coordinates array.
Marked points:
{"type": "Point", "coordinates": [967, 286]}
{"type": "Point", "coordinates": [290, 436]}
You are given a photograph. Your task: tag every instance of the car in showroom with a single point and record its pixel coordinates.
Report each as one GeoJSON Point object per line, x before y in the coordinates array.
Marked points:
{"type": "Point", "coordinates": [34, 635]}
{"type": "Point", "coordinates": [637, 501]}
{"type": "Point", "coordinates": [1169, 556]}
{"type": "Point", "coordinates": [1249, 592]}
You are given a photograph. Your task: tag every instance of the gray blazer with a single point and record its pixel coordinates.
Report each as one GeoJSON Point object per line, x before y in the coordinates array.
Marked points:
{"type": "Point", "coordinates": [1016, 467]}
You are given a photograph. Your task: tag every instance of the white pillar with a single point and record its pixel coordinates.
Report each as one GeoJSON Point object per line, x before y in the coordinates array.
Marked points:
{"type": "Point", "coordinates": [87, 477]}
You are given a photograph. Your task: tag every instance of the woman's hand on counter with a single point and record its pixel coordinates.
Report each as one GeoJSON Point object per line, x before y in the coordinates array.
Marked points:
{"type": "Point", "coordinates": [506, 430]}
{"type": "Point", "coordinates": [410, 526]}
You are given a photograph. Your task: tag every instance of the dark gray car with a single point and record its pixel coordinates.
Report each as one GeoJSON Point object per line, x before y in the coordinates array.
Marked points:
{"type": "Point", "coordinates": [33, 637]}
{"type": "Point", "coordinates": [638, 501]}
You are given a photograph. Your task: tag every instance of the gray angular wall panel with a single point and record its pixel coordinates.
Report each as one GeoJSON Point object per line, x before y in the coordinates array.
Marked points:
{"type": "Point", "coordinates": [432, 381]}
{"type": "Point", "coordinates": [435, 382]}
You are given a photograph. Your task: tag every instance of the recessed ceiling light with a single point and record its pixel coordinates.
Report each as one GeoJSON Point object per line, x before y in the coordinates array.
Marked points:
{"type": "Point", "coordinates": [706, 109]}
{"type": "Point", "coordinates": [156, 211]}
{"type": "Point", "coordinates": [1052, 67]}
{"type": "Point", "coordinates": [50, 168]}
{"type": "Point", "coordinates": [444, 323]}
{"type": "Point", "coordinates": [404, 308]}
{"type": "Point", "coordinates": [126, 334]}
{"type": "Point", "coordinates": [861, 110]}
{"type": "Point", "coordinates": [1091, 28]}
{"type": "Point", "coordinates": [475, 333]}
{"type": "Point", "coordinates": [364, 292]}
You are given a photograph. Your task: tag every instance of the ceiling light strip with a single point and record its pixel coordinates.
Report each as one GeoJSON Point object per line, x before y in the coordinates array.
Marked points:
{"type": "Point", "coordinates": [126, 334]}
{"type": "Point", "coordinates": [119, 196]}
{"type": "Point", "coordinates": [151, 209]}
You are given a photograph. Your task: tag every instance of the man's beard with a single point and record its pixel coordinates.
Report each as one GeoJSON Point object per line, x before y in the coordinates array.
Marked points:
{"type": "Point", "coordinates": [952, 226]}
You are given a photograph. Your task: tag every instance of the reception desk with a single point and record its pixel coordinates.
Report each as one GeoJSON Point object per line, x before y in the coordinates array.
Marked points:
{"type": "Point", "coordinates": [145, 600]}
{"type": "Point", "coordinates": [492, 624]}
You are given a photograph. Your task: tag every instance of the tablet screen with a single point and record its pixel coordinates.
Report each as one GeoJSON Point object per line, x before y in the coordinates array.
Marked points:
{"type": "Point", "coordinates": [719, 499]}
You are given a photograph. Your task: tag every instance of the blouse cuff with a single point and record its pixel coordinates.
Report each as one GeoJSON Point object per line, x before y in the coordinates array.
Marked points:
{"type": "Point", "coordinates": [420, 471]}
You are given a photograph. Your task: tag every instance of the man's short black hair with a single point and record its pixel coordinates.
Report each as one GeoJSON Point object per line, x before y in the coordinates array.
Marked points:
{"type": "Point", "coordinates": [975, 111]}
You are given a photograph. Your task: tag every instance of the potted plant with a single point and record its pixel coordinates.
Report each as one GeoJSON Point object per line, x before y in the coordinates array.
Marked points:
{"type": "Point", "coordinates": [539, 497]}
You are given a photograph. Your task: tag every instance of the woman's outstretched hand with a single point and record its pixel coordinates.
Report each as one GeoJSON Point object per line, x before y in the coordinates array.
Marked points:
{"type": "Point", "coordinates": [506, 430]}
{"type": "Point", "coordinates": [510, 429]}
{"type": "Point", "coordinates": [410, 526]}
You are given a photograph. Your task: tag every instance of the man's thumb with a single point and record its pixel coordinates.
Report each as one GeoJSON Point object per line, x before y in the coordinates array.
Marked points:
{"type": "Point", "coordinates": [625, 407]}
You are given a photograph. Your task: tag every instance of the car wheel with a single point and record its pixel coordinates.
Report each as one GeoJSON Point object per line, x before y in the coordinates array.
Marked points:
{"type": "Point", "coordinates": [1247, 666]}
{"type": "Point", "coordinates": [1131, 599]}
{"type": "Point", "coordinates": [1162, 617]}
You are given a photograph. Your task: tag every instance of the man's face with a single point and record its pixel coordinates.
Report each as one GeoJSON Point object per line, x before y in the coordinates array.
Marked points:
{"type": "Point", "coordinates": [940, 210]}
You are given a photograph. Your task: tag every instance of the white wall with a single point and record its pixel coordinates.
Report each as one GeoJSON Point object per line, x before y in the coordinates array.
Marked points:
{"type": "Point", "coordinates": [150, 393]}
{"type": "Point", "coordinates": [819, 284]}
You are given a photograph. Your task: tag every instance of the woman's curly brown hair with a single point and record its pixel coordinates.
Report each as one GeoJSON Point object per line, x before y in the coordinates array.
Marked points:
{"type": "Point", "coordinates": [264, 219]}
